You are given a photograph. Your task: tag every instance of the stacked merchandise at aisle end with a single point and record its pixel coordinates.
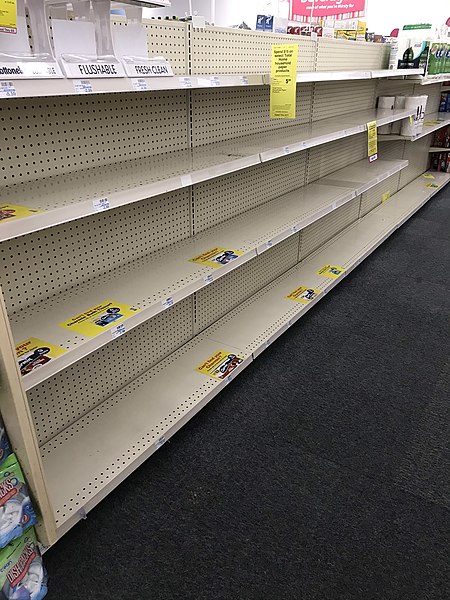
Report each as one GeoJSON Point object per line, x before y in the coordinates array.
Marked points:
{"type": "Point", "coordinates": [22, 573]}
{"type": "Point", "coordinates": [440, 161]}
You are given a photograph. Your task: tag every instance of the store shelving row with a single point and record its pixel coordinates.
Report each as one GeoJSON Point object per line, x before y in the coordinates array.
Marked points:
{"type": "Point", "coordinates": [432, 123]}
{"type": "Point", "coordinates": [27, 88]}
{"type": "Point", "coordinates": [68, 196]}
{"type": "Point", "coordinates": [155, 282]}
{"type": "Point", "coordinates": [117, 436]}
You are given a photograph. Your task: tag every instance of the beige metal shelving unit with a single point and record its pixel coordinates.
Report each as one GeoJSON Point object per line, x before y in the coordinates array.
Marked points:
{"type": "Point", "coordinates": [133, 185]}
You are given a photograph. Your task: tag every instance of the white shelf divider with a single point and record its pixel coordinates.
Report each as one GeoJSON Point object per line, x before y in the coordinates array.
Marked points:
{"type": "Point", "coordinates": [155, 282]}
{"type": "Point", "coordinates": [117, 436]}
{"type": "Point", "coordinates": [71, 196]}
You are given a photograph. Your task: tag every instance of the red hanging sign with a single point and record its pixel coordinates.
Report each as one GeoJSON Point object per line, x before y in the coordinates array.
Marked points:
{"type": "Point", "coordinates": [326, 8]}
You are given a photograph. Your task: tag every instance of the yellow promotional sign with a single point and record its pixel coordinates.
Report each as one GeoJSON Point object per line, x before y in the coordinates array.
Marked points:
{"type": "Point", "coordinates": [220, 365]}
{"type": "Point", "coordinates": [432, 185]}
{"type": "Point", "coordinates": [283, 81]}
{"type": "Point", "coordinates": [303, 295]}
{"type": "Point", "coordinates": [8, 16]}
{"type": "Point", "coordinates": [385, 197]}
{"type": "Point", "coordinates": [8, 212]}
{"type": "Point", "coordinates": [331, 271]}
{"type": "Point", "coordinates": [372, 141]}
{"type": "Point", "coordinates": [216, 257]}
{"type": "Point", "coordinates": [34, 353]}
{"type": "Point", "coordinates": [93, 321]}
{"type": "Point", "coordinates": [428, 176]}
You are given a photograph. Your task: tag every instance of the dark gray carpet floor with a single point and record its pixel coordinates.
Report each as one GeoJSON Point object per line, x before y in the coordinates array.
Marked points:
{"type": "Point", "coordinates": [322, 472]}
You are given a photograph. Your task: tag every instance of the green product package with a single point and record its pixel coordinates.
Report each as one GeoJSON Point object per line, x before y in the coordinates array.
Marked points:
{"type": "Point", "coordinates": [16, 510]}
{"type": "Point", "coordinates": [22, 573]}
{"type": "Point", "coordinates": [433, 61]}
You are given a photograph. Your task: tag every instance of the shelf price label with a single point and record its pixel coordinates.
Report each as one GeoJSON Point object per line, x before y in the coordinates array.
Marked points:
{"type": "Point", "coordinates": [34, 353]}
{"type": "Point", "coordinates": [283, 81]}
{"type": "Point", "coordinates": [9, 212]}
{"type": "Point", "coordinates": [82, 86]}
{"type": "Point", "coordinates": [220, 365]}
{"type": "Point", "coordinates": [101, 204]}
{"type": "Point", "coordinates": [7, 89]}
{"type": "Point", "coordinates": [8, 16]}
{"type": "Point", "coordinates": [331, 271]}
{"type": "Point", "coordinates": [303, 295]}
{"type": "Point", "coordinates": [385, 197]}
{"type": "Point", "coordinates": [372, 141]}
{"type": "Point", "coordinates": [106, 315]}
{"type": "Point", "coordinates": [216, 257]}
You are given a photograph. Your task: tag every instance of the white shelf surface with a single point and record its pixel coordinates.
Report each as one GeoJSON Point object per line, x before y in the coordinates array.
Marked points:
{"type": "Point", "coordinates": [430, 79]}
{"type": "Point", "coordinates": [156, 281]}
{"type": "Point", "coordinates": [70, 196]}
{"type": "Point", "coordinates": [116, 437]}
{"type": "Point", "coordinates": [432, 123]}
{"type": "Point", "coordinates": [38, 88]}
{"type": "Point", "coordinates": [438, 149]}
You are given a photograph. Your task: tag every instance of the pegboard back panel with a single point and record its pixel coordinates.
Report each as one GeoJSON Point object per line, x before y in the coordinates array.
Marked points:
{"type": "Point", "coordinates": [165, 38]}
{"type": "Point", "coordinates": [221, 296]}
{"type": "Point", "coordinates": [227, 113]}
{"type": "Point", "coordinates": [60, 401]}
{"type": "Point", "coordinates": [41, 264]}
{"type": "Point", "coordinates": [343, 55]}
{"type": "Point", "coordinates": [374, 197]}
{"type": "Point", "coordinates": [315, 235]}
{"type": "Point", "coordinates": [417, 155]}
{"type": "Point", "coordinates": [47, 136]}
{"type": "Point", "coordinates": [330, 157]}
{"type": "Point", "coordinates": [223, 51]}
{"type": "Point", "coordinates": [225, 197]}
{"type": "Point", "coordinates": [332, 98]}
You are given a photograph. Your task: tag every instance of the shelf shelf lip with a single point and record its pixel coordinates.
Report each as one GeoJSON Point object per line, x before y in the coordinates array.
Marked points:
{"type": "Point", "coordinates": [427, 129]}
{"type": "Point", "coordinates": [433, 149]}
{"type": "Point", "coordinates": [430, 79]}
{"type": "Point", "coordinates": [172, 269]}
{"type": "Point", "coordinates": [148, 411]}
{"type": "Point", "coordinates": [213, 161]}
{"type": "Point", "coordinates": [28, 88]}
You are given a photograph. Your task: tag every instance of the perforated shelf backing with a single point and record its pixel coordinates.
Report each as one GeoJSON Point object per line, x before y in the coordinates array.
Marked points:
{"type": "Point", "coordinates": [168, 39]}
{"type": "Point", "coordinates": [60, 401]}
{"type": "Point", "coordinates": [321, 231]}
{"type": "Point", "coordinates": [41, 264]}
{"type": "Point", "coordinates": [45, 136]}
{"type": "Point", "coordinates": [374, 197]}
{"type": "Point", "coordinates": [222, 51]}
{"type": "Point", "coordinates": [222, 114]}
{"type": "Point", "coordinates": [225, 197]}
{"type": "Point", "coordinates": [341, 55]}
{"type": "Point", "coordinates": [332, 98]}
{"type": "Point", "coordinates": [217, 299]}
{"type": "Point", "coordinates": [330, 157]}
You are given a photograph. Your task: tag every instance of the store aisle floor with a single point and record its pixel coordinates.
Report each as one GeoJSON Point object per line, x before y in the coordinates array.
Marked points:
{"type": "Point", "coordinates": [322, 472]}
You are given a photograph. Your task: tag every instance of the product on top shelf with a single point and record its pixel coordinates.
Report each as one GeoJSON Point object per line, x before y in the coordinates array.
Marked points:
{"type": "Point", "coordinates": [22, 572]}
{"type": "Point", "coordinates": [16, 510]}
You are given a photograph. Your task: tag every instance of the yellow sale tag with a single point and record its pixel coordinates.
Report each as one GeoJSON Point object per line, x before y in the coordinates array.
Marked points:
{"type": "Point", "coordinates": [372, 141]}
{"type": "Point", "coordinates": [428, 176]}
{"type": "Point", "coordinates": [432, 185]}
{"type": "Point", "coordinates": [8, 16]}
{"type": "Point", "coordinates": [410, 119]}
{"type": "Point", "coordinates": [331, 271]}
{"type": "Point", "coordinates": [283, 81]}
{"type": "Point", "coordinates": [220, 365]}
{"type": "Point", "coordinates": [385, 197]}
{"type": "Point", "coordinates": [303, 295]}
{"type": "Point", "coordinates": [431, 123]}
{"type": "Point", "coordinates": [8, 212]}
{"type": "Point", "coordinates": [216, 257]}
{"type": "Point", "coordinates": [34, 353]}
{"type": "Point", "coordinates": [93, 321]}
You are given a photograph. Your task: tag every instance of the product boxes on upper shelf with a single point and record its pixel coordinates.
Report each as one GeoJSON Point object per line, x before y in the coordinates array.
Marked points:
{"type": "Point", "coordinates": [444, 105]}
